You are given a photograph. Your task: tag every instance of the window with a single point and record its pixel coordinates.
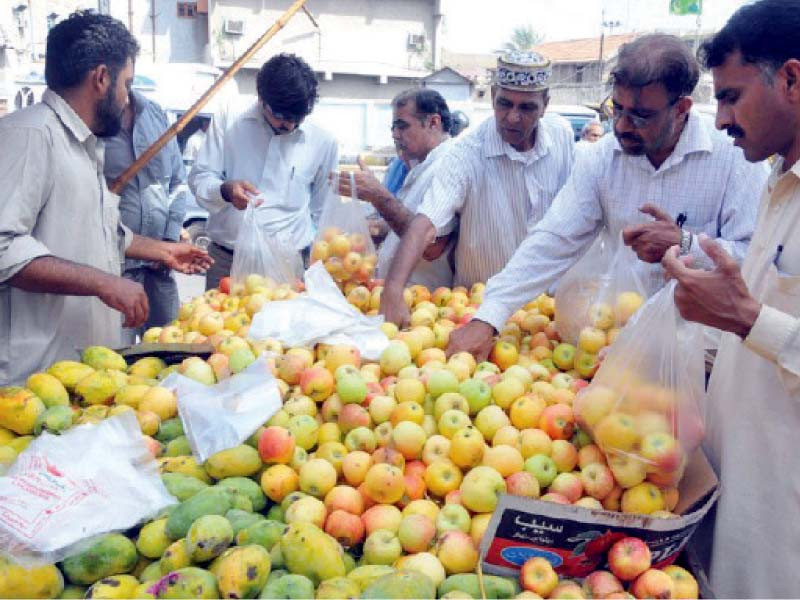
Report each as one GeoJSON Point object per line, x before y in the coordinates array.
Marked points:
{"type": "Point", "coordinates": [579, 73]}
{"type": "Point", "coordinates": [187, 9]}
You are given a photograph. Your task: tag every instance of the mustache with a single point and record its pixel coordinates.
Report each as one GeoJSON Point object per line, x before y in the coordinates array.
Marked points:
{"type": "Point", "coordinates": [735, 131]}
{"type": "Point", "coordinates": [630, 137]}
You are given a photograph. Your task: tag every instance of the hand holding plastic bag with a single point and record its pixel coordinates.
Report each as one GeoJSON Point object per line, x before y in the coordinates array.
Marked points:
{"type": "Point", "coordinates": [343, 243]}
{"type": "Point", "coordinates": [65, 490]}
{"type": "Point", "coordinates": [322, 315]}
{"type": "Point", "coordinates": [599, 293]}
{"type": "Point", "coordinates": [643, 405]}
{"type": "Point", "coordinates": [257, 253]}
{"type": "Point", "coordinates": [221, 416]}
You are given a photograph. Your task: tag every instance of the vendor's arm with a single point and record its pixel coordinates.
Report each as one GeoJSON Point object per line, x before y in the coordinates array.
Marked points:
{"type": "Point", "coordinates": [369, 189]}
{"type": "Point", "coordinates": [180, 256]}
{"type": "Point", "coordinates": [419, 235]}
{"type": "Point", "coordinates": [720, 298]}
{"type": "Point", "coordinates": [551, 248]}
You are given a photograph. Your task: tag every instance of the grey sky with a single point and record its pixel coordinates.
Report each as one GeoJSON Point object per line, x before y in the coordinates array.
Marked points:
{"type": "Point", "coordinates": [484, 25]}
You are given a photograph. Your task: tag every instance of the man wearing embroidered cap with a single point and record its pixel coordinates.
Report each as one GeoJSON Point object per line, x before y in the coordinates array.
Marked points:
{"type": "Point", "coordinates": [495, 183]}
{"type": "Point", "coordinates": [663, 161]}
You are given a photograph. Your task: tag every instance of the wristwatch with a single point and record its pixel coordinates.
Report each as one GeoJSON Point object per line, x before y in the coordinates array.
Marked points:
{"type": "Point", "coordinates": [686, 242]}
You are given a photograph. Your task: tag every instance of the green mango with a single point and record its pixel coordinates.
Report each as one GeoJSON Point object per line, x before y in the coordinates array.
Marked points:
{"type": "Point", "coordinates": [113, 554]}
{"type": "Point", "coordinates": [401, 584]}
{"type": "Point", "coordinates": [309, 551]}
{"type": "Point", "coordinates": [241, 519]}
{"type": "Point", "coordinates": [208, 537]}
{"type": "Point", "coordinates": [178, 447]}
{"type": "Point", "coordinates": [265, 533]}
{"type": "Point", "coordinates": [169, 430]}
{"type": "Point", "coordinates": [246, 487]}
{"type": "Point", "coordinates": [189, 582]}
{"type": "Point", "coordinates": [495, 587]}
{"type": "Point", "coordinates": [210, 501]}
{"type": "Point", "coordinates": [182, 486]}
{"type": "Point", "coordinates": [291, 587]}
{"type": "Point", "coordinates": [55, 419]}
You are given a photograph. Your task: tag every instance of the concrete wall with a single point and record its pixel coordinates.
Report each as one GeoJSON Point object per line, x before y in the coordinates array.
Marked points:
{"type": "Point", "coordinates": [177, 39]}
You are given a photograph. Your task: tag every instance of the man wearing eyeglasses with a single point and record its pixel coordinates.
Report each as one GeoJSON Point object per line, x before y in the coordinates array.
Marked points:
{"type": "Point", "coordinates": [664, 165]}
{"type": "Point", "coordinates": [265, 150]}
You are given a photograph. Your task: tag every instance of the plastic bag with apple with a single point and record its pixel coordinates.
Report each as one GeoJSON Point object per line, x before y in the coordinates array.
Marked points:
{"type": "Point", "coordinates": [343, 242]}
{"type": "Point", "coordinates": [270, 256]}
{"type": "Point", "coordinates": [221, 416]}
{"type": "Point", "coordinates": [598, 295]}
{"type": "Point", "coordinates": [643, 406]}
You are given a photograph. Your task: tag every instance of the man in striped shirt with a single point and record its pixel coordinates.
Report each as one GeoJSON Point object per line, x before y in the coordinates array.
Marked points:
{"type": "Point", "coordinates": [663, 162]}
{"type": "Point", "coordinates": [495, 183]}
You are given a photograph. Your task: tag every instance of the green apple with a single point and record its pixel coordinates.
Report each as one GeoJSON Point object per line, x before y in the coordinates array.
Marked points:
{"type": "Point", "coordinates": [543, 468]}
{"type": "Point", "coordinates": [477, 393]}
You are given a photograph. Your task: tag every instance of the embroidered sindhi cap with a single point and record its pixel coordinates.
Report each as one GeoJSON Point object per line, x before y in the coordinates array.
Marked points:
{"type": "Point", "coordinates": [523, 72]}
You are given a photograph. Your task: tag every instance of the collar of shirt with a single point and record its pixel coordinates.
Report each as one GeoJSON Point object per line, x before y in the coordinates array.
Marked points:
{"type": "Point", "coordinates": [778, 175]}
{"type": "Point", "coordinates": [694, 138]}
{"type": "Point", "coordinates": [254, 114]}
{"type": "Point", "coordinates": [74, 124]}
{"type": "Point", "coordinates": [494, 146]}
{"type": "Point", "coordinates": [417, 170]}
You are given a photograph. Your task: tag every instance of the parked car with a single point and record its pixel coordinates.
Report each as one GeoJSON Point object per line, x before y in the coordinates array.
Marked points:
{"type": "Point", "coordinates": [577, 115]}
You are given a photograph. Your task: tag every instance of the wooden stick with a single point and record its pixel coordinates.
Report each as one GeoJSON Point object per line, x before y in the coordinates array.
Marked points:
{"type": "Point", "coordinates": [178, 126]}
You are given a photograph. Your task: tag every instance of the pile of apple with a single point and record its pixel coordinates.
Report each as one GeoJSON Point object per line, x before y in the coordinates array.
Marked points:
{"type": "Point", "coordinates": [630, 565]}
{"type": "Point", "coordinates": [349, 258]}
{"type": "Point", "coordinates": [598, 326]}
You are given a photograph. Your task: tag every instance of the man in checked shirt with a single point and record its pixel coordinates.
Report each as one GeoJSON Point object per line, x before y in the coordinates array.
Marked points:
{"type": "Point", "coordinates": [664, 161]}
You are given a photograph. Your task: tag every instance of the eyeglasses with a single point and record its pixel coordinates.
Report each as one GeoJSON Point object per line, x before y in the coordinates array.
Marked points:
{"type": "Point", "coordinates": [296, 119]}
{"type": "Point", "coordinates": [615, 114]}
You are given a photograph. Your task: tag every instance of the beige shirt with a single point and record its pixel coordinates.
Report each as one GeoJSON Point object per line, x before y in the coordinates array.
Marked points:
{"type": "Point", "coordinates": [753, 413]}
{"type": "Point", "coordinates": [55, 202]}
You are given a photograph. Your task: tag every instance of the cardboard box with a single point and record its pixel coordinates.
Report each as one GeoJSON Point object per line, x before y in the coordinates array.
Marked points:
{"type": "Point", "coordinates": [575, 539]}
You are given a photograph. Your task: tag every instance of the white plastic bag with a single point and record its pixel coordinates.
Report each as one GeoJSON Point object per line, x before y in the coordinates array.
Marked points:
{"type": "Point", "coordinates": [322, 315]}
{"type": "Point", "coordinates": [221, 416]}
{"type": "Point", "coordinates": [65, 490]}
{"type": "Point", "coordinates": [602, 290]}
{"type": "Point", "coordinates": [343, 243]}
{"type": "Point", "coordinates": [643, 406]}
{"type": "Point", "coordinates": [266, 255]}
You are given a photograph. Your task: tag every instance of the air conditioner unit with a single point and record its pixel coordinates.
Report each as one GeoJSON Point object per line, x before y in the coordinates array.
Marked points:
{"type": "Point", "coordinates": [416, 41]}
{"type": "Point", "coordinates": [233, 26]}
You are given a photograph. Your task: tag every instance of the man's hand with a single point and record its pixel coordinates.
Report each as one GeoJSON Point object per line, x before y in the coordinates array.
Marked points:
{"type": "Point", "coordinates": [475, 337]}
{"type": "Point", "coordinates": [238, 192]}
{"type": "Point", "coordinates": [651, 240]}
{"type": "Point", "coordinates": [394, 308]}
{"type": "Point", "coordinates": [185, 258]}
{"type": "Point", "coordinates": [437, 248]}
{"type": "Point", "coordinates": [718, 298]}
{"type": "Point", "coordinates": [368, 188]}
{"type": "Point", "coordinates": [126, 296]}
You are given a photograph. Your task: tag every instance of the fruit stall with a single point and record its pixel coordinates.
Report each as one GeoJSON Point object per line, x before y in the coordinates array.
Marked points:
{"type": "Point", "coordinates": [398, 473]}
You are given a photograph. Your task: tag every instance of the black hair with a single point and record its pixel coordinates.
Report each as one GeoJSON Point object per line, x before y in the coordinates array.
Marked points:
{"type": "Point", "coordinates": [460, 123]}
{"type": "Point", "coordinates": [288, 85]}
{"type": "Point", "coordinates": [82, 42]}
{"type": "Point", "coordinates": [657, 58]}
{"type": "Point", "coordinates": [766, 34]}
{"type": "Point", "coordinates": [427, 102]}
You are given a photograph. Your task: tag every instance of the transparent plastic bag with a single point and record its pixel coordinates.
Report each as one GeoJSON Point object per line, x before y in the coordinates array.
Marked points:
{"type": "Point", "coordinates": [343, 242]}
{"type": "Point", "coordinates": [263, 255]}
{"type": "Point", "coordinates": [322, 315]}
{"type": "Point", "coordinates": [65, 490]}
{"type": "Point", "coordinates": [643, 406]}
{"type": "Point", "coordinates": [221, 416]}
{"type": "Point", "coordinates": [599, 294]}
